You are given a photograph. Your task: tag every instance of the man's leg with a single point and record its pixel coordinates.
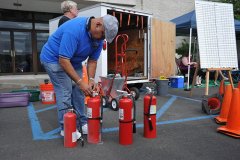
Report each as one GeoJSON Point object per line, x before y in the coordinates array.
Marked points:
{"type": "Point", "coordinates": [78, 98]}
{"type": "Point", "coordinates": [62, 87]}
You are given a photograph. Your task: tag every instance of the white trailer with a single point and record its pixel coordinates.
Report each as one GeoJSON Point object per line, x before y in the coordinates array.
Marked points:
{"type": "Point", "coordinates": [137, 25]}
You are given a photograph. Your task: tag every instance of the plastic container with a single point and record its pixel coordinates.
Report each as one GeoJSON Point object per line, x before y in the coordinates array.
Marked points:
{"type": "Point", "coordinates": [47, 93]}
{"type": "Point", "coordinates": [177, 81]}
{"type": "Point", "coordinates": [14, 99]}
{"type": "Point", "coordinates": [162, 87]}
{"type": "Point", "coordinates": [34, 94]}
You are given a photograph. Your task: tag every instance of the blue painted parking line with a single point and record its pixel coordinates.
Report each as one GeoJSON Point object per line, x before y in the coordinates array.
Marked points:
{"type": "Point", "coordinates": [36, 127]}
{"type": "Point", "coordinates": [46, 109]}
{"type": "Point", "coordinates": [191, 99]}
{"type": "Point", "coordinates": [163, 109]}
{"type": "Point", "coordinates": [55, 131]}
{"type": "Point", "coordinates": [186, 119]}
{"type": "Point", "coordinates": [114, 129]}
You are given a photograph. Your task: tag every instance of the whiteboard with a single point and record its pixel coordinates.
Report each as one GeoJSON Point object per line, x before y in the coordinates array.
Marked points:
{"type": "Point", "coordinates": [216, 35]}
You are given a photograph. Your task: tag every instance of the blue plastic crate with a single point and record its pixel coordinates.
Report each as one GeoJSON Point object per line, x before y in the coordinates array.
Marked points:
{"type": "Point", "coordinates": [176, 81]}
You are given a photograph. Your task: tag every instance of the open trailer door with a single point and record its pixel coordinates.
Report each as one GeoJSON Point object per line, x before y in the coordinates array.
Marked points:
{"type": "Point", "coordinates": [163, 45]}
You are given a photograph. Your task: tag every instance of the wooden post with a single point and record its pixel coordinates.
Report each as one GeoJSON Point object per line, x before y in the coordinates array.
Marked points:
{"type": "Point", "coordinates": [230, 78]}
{"type": "Point", "coordinates": [207, 82]}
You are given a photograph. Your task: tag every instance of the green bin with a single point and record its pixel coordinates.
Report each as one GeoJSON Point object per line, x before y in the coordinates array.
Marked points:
{"type": "Point", "coordinates": [34, 94]}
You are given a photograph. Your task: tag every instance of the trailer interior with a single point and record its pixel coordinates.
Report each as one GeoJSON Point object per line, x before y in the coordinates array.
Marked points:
{"type": "Point", "coordinates": [135, 26]}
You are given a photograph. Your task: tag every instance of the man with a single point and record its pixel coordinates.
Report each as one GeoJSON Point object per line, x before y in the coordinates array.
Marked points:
{"type": "Point", "coordinates": [70, 11]}
{"type": "Point", "coordinates": [62, 56]}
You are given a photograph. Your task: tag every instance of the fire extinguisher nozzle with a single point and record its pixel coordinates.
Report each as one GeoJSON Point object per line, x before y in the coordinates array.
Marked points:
{"type": "Point", "coordinates": [134, 128]}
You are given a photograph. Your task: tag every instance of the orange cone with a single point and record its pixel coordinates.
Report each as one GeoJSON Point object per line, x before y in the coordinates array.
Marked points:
{"type": "Point", "coordinates": [233, 122]}
{"type": "Point", "coordinates": [221, 88]}
{"type": "Point", "coordinates": [238, 85]}
{"type": "Point", "coordinates": [222, 118]}
{"type": "Point", "coordinates": [85, 79]}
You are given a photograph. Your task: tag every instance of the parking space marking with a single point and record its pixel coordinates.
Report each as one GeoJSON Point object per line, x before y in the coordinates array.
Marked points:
{"type": "Point", "coordinates": [36, 127]}
{"type": "Point", "coordinates": [114, 129]}
{"type": "Point", "coordinates": [39, 135]}
{"type": "Point", "coordinates": [186, 98]}
{"type": "Point", "coordinates": [186, 119]}
{"type": "Point", "coordinates": [46, 109]}
{"type": "Point", "coordinates": [37, 132]}
{"type": "Point", "coordinates": [163, 109]}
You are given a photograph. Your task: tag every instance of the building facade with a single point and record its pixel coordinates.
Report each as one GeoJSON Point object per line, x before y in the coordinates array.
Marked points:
{"type": "Point", "coordinates": [24, 27]}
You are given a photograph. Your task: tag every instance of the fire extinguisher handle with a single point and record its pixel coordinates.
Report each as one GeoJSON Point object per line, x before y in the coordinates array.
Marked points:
{"type": "Point", "coordinates": [134, 126]}
{"type": "Point", "coordinates": [134, 114]}
{"type": "Point", "coordinates": [149, 118]}
{"type": "Point", "coordinates": [150, 124]}
{"type": "Point", "coordinates": [82, 142]}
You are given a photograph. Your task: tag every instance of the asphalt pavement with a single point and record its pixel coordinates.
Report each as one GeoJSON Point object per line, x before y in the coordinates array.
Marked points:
{"type": "Point", "coordinates": [184, 132]}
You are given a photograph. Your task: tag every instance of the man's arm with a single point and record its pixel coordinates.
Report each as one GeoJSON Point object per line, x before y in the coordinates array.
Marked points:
{"type": "Point", "coordinates": [68, 68]}
{"type": "Point", "coordinates": [91, 68]}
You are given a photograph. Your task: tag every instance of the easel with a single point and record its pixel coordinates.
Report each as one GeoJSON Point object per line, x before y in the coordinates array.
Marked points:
{"type": "Point", "coordinates": [207, 77]}
{"type": "Point", "coordinates": [218, 69]}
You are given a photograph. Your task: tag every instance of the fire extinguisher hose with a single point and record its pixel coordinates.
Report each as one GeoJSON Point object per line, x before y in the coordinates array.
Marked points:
{"type": "Point", "coordinates": [149, 115]}
{"type": "Point", "coordinates": [101, 120]}
{"type": "Point", "coordinates": [134, 114]}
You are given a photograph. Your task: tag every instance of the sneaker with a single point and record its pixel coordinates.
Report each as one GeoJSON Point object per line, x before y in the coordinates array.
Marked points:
{"type": "Point", "coordinates": [85, 129]}
{"type": "Point", "coordinates": [198, 85]}
{"type": "Point", "coordinates": [62, 133]}
{"type": "Point", "coordinates": [77, 133]}
{"type": "Point", "coordinates": [225, 78]}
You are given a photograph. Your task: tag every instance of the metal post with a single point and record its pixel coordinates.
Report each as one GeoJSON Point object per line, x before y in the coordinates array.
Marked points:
{"type": "Point", "coordinates": [189, 57]}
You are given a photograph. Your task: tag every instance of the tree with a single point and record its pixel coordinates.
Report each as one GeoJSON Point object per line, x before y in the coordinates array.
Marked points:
{"type": "Point", "coordinates": [236, 7]}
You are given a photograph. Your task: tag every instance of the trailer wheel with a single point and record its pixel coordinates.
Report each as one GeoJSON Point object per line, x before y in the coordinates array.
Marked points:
{"type": "Point", "coordinates": [105, 101]}
{"type": "Point", "coordinates": [135, 92]}
{"type": "Point", "coordinates": [114, 104]}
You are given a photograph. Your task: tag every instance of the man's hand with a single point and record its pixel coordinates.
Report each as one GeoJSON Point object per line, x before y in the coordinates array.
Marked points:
{"type": "Point", "coordinates": [87, 89]}
{"type": "Point", "coordinates": [92, 83]}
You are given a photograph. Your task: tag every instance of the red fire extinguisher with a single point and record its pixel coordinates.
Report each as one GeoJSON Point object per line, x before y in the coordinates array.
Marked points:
{"type": "Point", "coordinates": [70, 129]}
{"type": "Point", "coordinates": [125, 119]}
{"type": "Point", "coordinates": [150, 103]}
{"type": "Point", "coordinates": [94, 114]}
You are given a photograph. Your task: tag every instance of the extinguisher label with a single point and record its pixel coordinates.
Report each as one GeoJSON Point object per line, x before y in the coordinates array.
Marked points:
{"type": "Point", "coordinates": [48, 96]}
{"type": "Point", "coordinates": [153, 109]}
{"type": "Point", "coordinates": [121, 114]}
{"type": "Point", "coordinates": [74, 136]}
{"type": "Point", "coordinates": [89, 112]}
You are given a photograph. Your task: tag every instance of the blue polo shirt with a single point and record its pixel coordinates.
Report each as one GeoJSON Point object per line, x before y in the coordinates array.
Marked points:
{"type": "Point", "coordinates": [72, 41]}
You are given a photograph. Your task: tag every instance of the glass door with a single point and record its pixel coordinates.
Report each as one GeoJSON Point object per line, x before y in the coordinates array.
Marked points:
{"type": "Point", "coordinates": [15, 52]}
{"type": "Point", "coordinates": [6, 54]}
{"type": "Point", "coordinates": [22, 52]}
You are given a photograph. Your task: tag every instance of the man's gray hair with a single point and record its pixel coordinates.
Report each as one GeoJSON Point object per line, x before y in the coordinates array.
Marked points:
{"type": "Point", "coordinates": [67, 5]}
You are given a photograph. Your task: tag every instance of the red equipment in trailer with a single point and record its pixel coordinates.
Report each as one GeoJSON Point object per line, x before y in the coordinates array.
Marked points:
{"type": "Point", "coordinates": [121, 70]}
